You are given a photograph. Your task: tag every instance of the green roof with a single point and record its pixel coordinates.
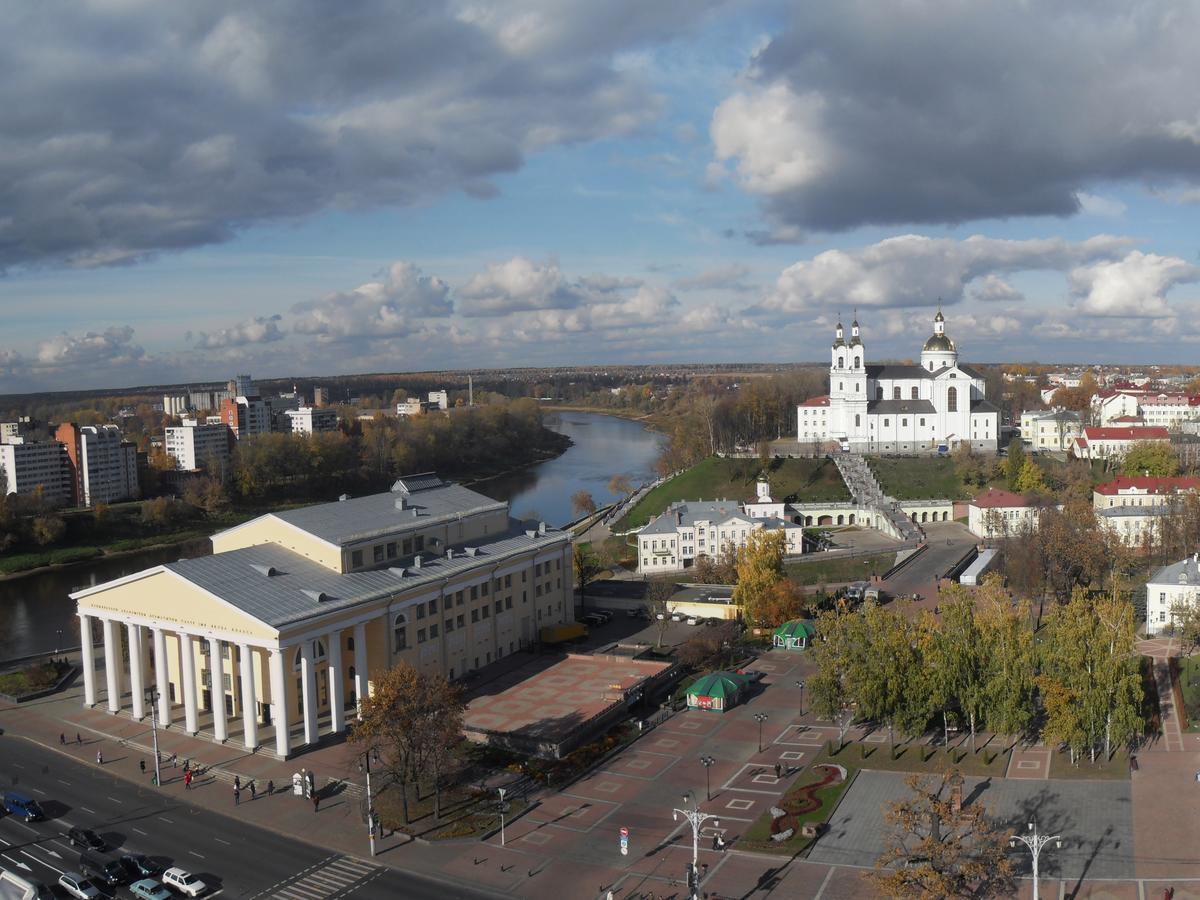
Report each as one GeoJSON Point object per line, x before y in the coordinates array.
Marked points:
{"type": "Point", "coordinates": [717, 684]}
{"type": "Point", "coordinates": [797, 628]}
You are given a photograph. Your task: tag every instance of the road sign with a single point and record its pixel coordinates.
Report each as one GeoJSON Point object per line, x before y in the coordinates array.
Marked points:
{"type": "Point", "coordinates": [624, 841]}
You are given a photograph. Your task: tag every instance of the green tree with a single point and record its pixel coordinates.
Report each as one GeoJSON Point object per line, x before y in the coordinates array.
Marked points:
{"type": "Point", "coordinates": [886, 670]}
{"type": "Point", "coordinates": [1014, 462]}
{"type": "Point", "coordinates": [830, 693]}
{"type": "Point", "coordinates": [759, 568]}
{"type": "Point", "coordinates": [957, 660]}
{"type": "Point", "coordinates": [1006, 635]}
{"type": "Point", "coordinates": [1150, 458]}
{"type": "Point", "coordinates": [1031, 479]}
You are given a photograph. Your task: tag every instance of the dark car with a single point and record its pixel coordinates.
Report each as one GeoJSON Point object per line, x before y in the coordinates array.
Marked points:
{"type": "Point", "coordinates": [86, 838]}
{"type": "Point", "coordinates": [140, 866]}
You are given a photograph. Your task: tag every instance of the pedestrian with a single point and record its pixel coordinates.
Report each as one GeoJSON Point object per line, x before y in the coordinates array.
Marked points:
{"type": "Point", "coordinates": [142, 764]}
{"type": "Point", "coordinates": [778, 770]}
{"type": "Point", "coordinates": [237, 783]}
{"type": "Point", "coordinates": [62, 739]}
{"type": "Point", "coordinates": [714, 842]}
{"type": "Point", "coordinates": [187, 780]}
{"type": "Point", "coordinates": [99, 758]}
{"type": "Point", "coordinates": [253, 790]}
{"type": "Point", "coordinates": [187, 766]}
{"type": "Point", "coordinates": [174, 760]}
{"type": "Point", "coordinates": [237, 795]}
{"type": "Point", "coordinates": [316, 802]}
{"type": "Point", "coordinates": [78, 739]}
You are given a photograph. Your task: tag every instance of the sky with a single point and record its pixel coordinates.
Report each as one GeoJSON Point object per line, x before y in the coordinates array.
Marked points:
{"type": "Point", "coordinates": [294, 187]}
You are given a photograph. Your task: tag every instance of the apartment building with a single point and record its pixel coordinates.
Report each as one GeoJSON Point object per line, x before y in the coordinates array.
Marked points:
{"type": "Point", "coordinates": [1054, 429]}
{"type": "Point", "coordinates": [196, 445]}
{"type": "Point", "coordinates": [246, 416]}
{"type": "Point", "coordinates": [103, 466]}
{"type": "Point", "coordinates": [310, 420]}
{"type": "Point", "coordinates": [12, 432]}
{"type": "Point", "coordinates": [24, 467]}
{"type": "Point", "coordinates": [1114, 442]}
{"type": "Point", "coordinates": [1169, 589]}
{"type": "Point", "coordinates": [691, 529]}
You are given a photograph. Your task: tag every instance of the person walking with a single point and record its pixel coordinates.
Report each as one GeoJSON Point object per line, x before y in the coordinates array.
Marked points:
{"type": "Point", "coordinates": [778, 770]}
{"type": "Point", "coordinates": [253, 790]}
{"type": "Point", "coordinates": [187, 780]}
{"type": "Point", "coordinates": [78, 739]}
{"type": "Point", "coordinates": [270, 787]}
{"type": "Point", "coordinates": [62, 739]}
{"type": "Point", "coordinates": [142, 764]}
{"type": "Point", "coordinates": [237, 795]}
{"type": "Point", "coordinates": [99, 758]}
{"type": "Point", "coordinates": [316, 801]}
{"type": "Point", "coordinates": [237, 783]}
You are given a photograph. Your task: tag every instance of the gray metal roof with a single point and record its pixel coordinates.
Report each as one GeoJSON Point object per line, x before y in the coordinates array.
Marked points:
{"type": "Point", "coordinates": [717, 512]}
{"type": "Point", "coordinates": [1122, 511]}
{"type": "Point", "coordinates": [1171, 574]}
{"type": "Point", "coordinates": [293, 593]}
{"type": "Point", "coordinates": [360, 518]}
{"type": "Point", "coordinates": [967, 370]}
{"type": "Point", "coordinates": [900, 406]}
{"type": "Point", "coordinates": [984, 405]}
{"type": "Point", "coordinates": [897, 370]}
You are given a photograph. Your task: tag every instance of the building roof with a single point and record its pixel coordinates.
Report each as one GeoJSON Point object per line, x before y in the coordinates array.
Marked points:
{"type": "Point", "coordinates": [361, 518]}
{"type": "Point", "coordinates": [717, 684]}
{"type": "Point", "coordinates": [1128, 420]}
{"type": "Point", "coordinates": [901, 406]}
{"type": "Point", "coordinates": [1120, 512]}
{"type": "Point", "coordinates": [1148, 484]}
{"type": "Point", "coordinates": [897, 370]}
{"type": "Point", "coordinates": [688, 512]}
{"type": "Point", "coordinates": [1055, 415]}
{"type": "Point", "coordinates": [968, 370]}
{"type": "Point", "coordinates": [280, 587]}
{"type": "Point", "coordinates": [994, 498]}
{"type": "Point", "coordinates": [983, 405]}
{"type": "Point", "coordinates": [797, 628]}
{"type": "Point", "coordinates": [1128, 433]}
{"type": "Point", "coordinates": [1184, 572]}
{"type": "Point", "coordinates": [939, 342]}
{"type": "Point", "coordinates": [823, 400]}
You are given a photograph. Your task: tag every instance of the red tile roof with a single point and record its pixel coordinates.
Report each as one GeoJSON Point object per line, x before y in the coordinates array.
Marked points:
{"type": "Point", "coordinates": [1129, 420]}
{"type": "Point", "coordinates": [823, 400]}
{"type": "Point", "coordinates": [993, 498]}
{"type": "Point", "coordinates": [1131, 433]}
{"type": "Point", "coordinates": [1149, 484]}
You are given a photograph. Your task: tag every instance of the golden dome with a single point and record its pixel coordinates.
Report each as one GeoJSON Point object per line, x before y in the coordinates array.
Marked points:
{"type": "Point", "coordinates": [939, 342]}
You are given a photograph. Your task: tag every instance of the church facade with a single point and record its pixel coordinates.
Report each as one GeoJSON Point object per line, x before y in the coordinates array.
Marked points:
{"type": "Point", "coordinates": [896, 408]}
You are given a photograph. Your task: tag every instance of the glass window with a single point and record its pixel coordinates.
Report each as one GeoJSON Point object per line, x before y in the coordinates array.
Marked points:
{"type": "Point", "coordinates": [458, 598]}
{"type": "Point", "coordinates": [487, 612]}
{"type": "Point", "coordinates": [914, 393]}
{"type": "Point", "coordinates": [407, 546]}
{"type": "Point", "coordinates": [433, 631]}
{"type": "Point", "coordinates": [484, 587]}
{"type": "Point", "coordinates": [420, 611]}
{"type": "Point", "coordinates": [418, 543]}
{"type": "Point", "coordinates": [391, 550]}
{"type": "Point", "coordinates": [377, 552]}
{"type": "Point", "coordinates": [355, 559]}
{"type": "Point", "coordinates": [420, 635]}
{"type": "Point", "coordinates": [952, 400]}
{"type": "Point", "coordinates": [433, 605]}
{"type": "Point", "coordinates": [474, 615]}
{"type": "Point", "coordinates": [474, 592]}
{"type": "Point", "coordinates": [508, 581]}
{"type": "Point", "coordinates": [449, 625]}
{"type": "Point", "coordinates": [508, 602]}
{"type": "Point", "coordinates": [896, 393]}
{"type": "Point", "coordinates": [459, 621]}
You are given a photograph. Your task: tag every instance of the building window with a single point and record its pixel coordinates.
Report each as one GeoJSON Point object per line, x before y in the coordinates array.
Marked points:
{"type": "Point", "coordinates": [841, 361]}
{"type": "Point", "coordinates": [856, 387]}
{"type": "Point", "coordinates": [458, 598]}
{"type": "Point", "coordinates": [419, 543]}
{"type": "Point", "coordinates": [878, 392]}
{"type": "Point", "coordinates": [377, 552]}
{"type": "Point", "coordinates": [922, 421]}
{"type": "Point", "coordinates": [886, 422]}
{"type": "Point", "coordinates": [355, 559]}
{"type": "Point", "coordinates": [508, 581]}
{"type": "Point", "coordinates": [474, 615]}
{"type": "Point", "coordinates": [449, 625]}
{"type": "Point", "coordinates": [420, 611]}
{"type": "Point", "coordinates": [433, 606]}
{"type": "Point", "coordinates": [857, 363]}
{"type": "Point", "coordinates": [486, 612]}
{"type": "Point", "coordinates": [857, 421]}
{"type": "Point", "coordinates": [420, 635]}
{"type": "Point", "coordinates": [904, 423]}
{"type": "Point", "coordinates": [508, 602]}
{"type": "Point", "coordinates": [459, 622]}
{"type": "Point", "coordinates": [952, 400]}
{"type": "Point", "coordinates": [407, 546]}
{"type": "Point", "coordinates": [895, 393]}
{"type": "Point", "coordinates": [433, 631]}
{"type": "Point", "coordinates": [841, 385]}
{"type": "Point", "coordinates": [484, 587]}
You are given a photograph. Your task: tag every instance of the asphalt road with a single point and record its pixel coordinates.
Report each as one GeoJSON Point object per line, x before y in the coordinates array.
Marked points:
{"type": "Point", "coordinates": [948, 541]}
{"type": "Point", "coordinates": [235, 859]}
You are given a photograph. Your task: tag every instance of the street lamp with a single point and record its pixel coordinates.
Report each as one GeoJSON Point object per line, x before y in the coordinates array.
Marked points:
{"type": "Point", "coordinates": [694, 817]}
{"type": "Point", "coordinates": [707, 761]}
{"type": "Point", "coordinates": [365, 766]}
{"type": "Point", "coordinates": [800, 684]}
{"type": "Point", "coordinates": [503, 808]}
{"type": "Point", "coordinates": [1035, 842]}
{"type": "Point", "coordinates": [57, 641]}
{"type": "Point", "coordinates": [760, 718]}
{"type": "Point", "coordinates": [153, 693]}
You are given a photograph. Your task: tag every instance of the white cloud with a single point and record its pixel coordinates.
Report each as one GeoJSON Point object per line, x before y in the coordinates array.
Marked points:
{"type": "Point", "coordinates": [259, 330]}
{"type": "Point", "coordinates": [1136, 285]}
{"type": "Point", "coordinates": [994, 289]}
{"type": "Point", "coordinates": [1095, 205]}
{"type": "Point", "coordinates": [515, 285]}
{"type": "Point", "coordinates": [113, 346]}
{"type": "Point", "coordinates": [731, 277]}
{"type": "Point", "coordinates": [383, 308]}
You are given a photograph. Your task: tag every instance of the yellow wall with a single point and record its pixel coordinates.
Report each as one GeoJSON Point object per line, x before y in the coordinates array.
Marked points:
{"type": "Point", "coordinates": [270, 530]}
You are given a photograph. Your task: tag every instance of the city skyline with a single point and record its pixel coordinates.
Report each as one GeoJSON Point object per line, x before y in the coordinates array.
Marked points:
{"type": "Point", "coordinates": [189, 193]}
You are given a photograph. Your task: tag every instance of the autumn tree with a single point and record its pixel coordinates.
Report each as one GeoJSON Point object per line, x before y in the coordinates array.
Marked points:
{"type": "Point", "coordinates": [759, 569]}
{"type": "Point", "coordinates": [887, 668]}
{"type": "Point", "coordinates": [587, 568]}
{"type": "Point", "coordinates": [583, 503]}
{"type": "Point", "coordinates": [830, 689]}
{"type": "Point", "coordinates": [1008, 657]}
{"type": "Point", "coordinates": [1072, 548]}
{"type": "Point", "coordinates": [718, 569]}
{"type": "Point", "coordinates": [956, 661]}
{"type": "Point", "coordinates": [659, 592]}
{"type": "Point", "coordinates": [783, 602]}
{"type": "Point", "coordinates": [207, 495]}
{"type": "Point", "coordinates": [48, 528]}
{"type": "Point", "coordinates": [939, 848]}
{"type": "Point", "coordinates": [1150, 458]}
{"type": "Point", "coordinates": [620, 485]}
{"type": "Point", "coordinates": [1031, 479]}
{"type": "Point", "coordinates": [1014, 462]}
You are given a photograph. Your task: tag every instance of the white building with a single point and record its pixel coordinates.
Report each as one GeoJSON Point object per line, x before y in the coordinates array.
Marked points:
{"type": "Point", "coordinates": [1054, 429]}
{"type": "Point", "coordinates": [439, 399]}
{"type": "Point", "coordinates": [997, 514]}
{"type": "Point", "coordinates": [1142, 490]}
{"type": "Point", "coordinates": [103, 465]}
{"type": "Point", "coordinates": [691, 529]}
{"type": "Point", "coordinates": [1170, 411]}
{"type": "Point", "coordinates": [12, 432]}
{"type": "Point", "coordinates": [309, 420]}
{"type": "Point", "coordinates": [900, 408]}
{"type": "Point", "coordinates": [246, 416]}
{"type": "Point", "coordinates": [1169, 587]}
{"type": "Point", "coordinates": [1114, 443]}
{"type": "Point", "coordinates": [175, 405]}
{"type": "Point", "coordinates": [26, 466]}
{"type": "Point", "coordinates": [198, 446]}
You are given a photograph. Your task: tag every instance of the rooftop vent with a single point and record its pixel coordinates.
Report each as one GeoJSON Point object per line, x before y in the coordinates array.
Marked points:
{"type": "Point", "coordinates": [449, 553]}
{"type": "Point", "coordinates": [471, 551]}
{"type": "Point", "coordinates": [343, 498]}
{"type": "Point", "coordinates": [264, 570]}
{"type": "Point", "coordinates": [530, 533]}
{"type": "Point", "coordinates": [397, 572]}
{"type": "Point", "coordinates": [417, 561]}
{"type": "Point", "coordinates": [319, 596]}
{"type": "Point", "coordinates": [401, 503]}
{"type": "Point", "coordinates": [541, 527]}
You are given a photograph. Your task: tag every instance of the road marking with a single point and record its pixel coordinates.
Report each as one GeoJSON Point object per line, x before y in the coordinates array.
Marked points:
{"type": "Point", "coordinates": [37, 790]}
{"type": "Point", "coordinates": [86, 810]}
{"type": "Point", "coordinates": [219, 841]}
{"type": "Point", "coordinates": [139, 831]}
{"type": "Point", "coordinates": [165, 819]}
{"type": "Point", "coordinates": [195, 854]}
{"type": "Point", "coordinates": [17, 765]}
{"type": "Point", "coordinates": [43, 862]}
{"type": "Point", "coordinates": [60, 781]}
{"type": "Point", "coordinates": [115, 800]}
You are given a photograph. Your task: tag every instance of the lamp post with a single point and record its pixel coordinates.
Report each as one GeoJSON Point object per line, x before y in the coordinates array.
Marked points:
{"type": "Point", "coordinates": [694, 817]}
{"type": "Point", "coordinates": [1035, 842]}
{"type": "Point", "coordinates": [503, 808]}
{"type": "Point", "coordinates": [365, 766]}
{"type": "Point", "coordinates": [760, 718]}
{"type": "Point", "coordinates": [57, 641]}
{"type": "Point", "coordinates": [800, 684]}
{"type": "Point", "coordinates": [707, 761]}
{"type": "Point", "coordinates": [153, 693]}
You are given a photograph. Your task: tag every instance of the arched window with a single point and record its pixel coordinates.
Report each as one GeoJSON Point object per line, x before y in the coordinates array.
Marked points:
{"type": "Point", "coordinates": [856, 386]}
{"type": "Point", "coordinates": [896, 393]}
{"type": "Point", "coordinates": [400, 632]}
{"type": "Point", "coordinates": [350, 644]}
{"type": "Point", "coordinates": [857, 362]}
{"type": "Point", "coordinates": [914, 393]}
{"type": "Point", "coordinates": [858, 421]}
{"type": "Point", "coordinates": [318, 654]}
{"type": "Point", "coordinates": [878, 392]}
{"type": "Point", "coordinates": [952, 400]}
{"type": "Point", "coordinates": [841, 361]}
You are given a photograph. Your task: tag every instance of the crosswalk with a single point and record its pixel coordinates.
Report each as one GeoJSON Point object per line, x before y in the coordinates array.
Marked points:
{"type": "Point", "coordinates": [336, 876]}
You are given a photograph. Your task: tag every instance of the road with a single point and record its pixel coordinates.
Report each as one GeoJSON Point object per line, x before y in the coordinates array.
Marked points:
{"type": "Point", "coordinates": [948, 541]}
{"type": "Point", "coordinates": [235, 859]}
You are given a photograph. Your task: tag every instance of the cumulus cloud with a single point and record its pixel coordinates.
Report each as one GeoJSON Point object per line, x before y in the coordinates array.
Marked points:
{"type": "Point", "coordinates": [1135, 285]}
{"type": "Point", "coordinates": [864, 113]}
{"type": "Point", "coordinates": [515, 285]}
{"type": "Point", "coordinates": [731, 277]}
{"type": "Point", "coordinates": [994, 289]}
{"type": "Point", "coordinates": [259, 330]}
{"type": "Point", "coordinates": [113, 346]}
{"type": "Point", "coordinates": [382, 308]}
{"type": "Point", "coordinates": [915, 270]}
{"type": "Point", "coordinates": [137, 128]}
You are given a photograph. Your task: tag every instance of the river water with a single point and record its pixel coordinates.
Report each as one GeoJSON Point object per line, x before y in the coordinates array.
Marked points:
{"type": "Point", "coordinates": [36, 615]}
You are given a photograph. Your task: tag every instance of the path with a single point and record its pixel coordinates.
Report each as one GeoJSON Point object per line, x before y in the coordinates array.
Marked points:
{"type": "Point", "coordinates": [1160, 649]}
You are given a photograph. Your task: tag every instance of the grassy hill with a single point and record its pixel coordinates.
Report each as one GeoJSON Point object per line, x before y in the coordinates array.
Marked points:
{"type": "Point", "coordinates": [733, 479]}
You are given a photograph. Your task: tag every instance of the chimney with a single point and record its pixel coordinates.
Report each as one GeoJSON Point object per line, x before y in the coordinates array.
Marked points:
{"type": "Point", "coordinates": [449, 553]}
{"type": "Point", "coordinates": [401, 503]}
{"type": "Point", "coordinates": [541, 527]}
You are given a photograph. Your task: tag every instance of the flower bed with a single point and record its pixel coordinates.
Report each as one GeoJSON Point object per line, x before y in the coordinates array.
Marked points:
{"type": "Point", "coordinates": [788, 826]}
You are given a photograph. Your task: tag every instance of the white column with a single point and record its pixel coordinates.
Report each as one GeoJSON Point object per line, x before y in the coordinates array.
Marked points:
{"type": "Point", "coordinates": [308, 690]}
{"type": "Point", "coordinates": [337, 695]}
{"type": "Point", "coordinates": [137, 681]}
{"type": "Point", "coordinates": [279, 710]}
{"type": "Point", "coordinates": [188, 657]}
{"type": "Point", "coordinates": [162, 678]}
{"type": "Point", "coordinates": [216, 672]}
{"type": "Point", "coordinates": [360, 665]}
{"type": "Point", "coordinates": [88, 654]}
{"type": "Point", "coordinates": [249, 698]}
{"type": "Point", "coordinates": [112, 665]}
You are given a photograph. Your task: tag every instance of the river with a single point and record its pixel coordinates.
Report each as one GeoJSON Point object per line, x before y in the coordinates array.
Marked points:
{"type": "Point", "coordinates": [36, 615]}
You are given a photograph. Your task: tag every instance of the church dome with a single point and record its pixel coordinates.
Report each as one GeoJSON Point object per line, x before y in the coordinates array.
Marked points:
{"type": "Point", "coordinates": [939, 342]}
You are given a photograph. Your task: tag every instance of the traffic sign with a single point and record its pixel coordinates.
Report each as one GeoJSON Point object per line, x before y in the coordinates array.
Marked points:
{"type": "Point", "coordinates": [624, 841]}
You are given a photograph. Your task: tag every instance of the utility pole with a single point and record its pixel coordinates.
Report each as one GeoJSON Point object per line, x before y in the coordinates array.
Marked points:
{"type": "Point", "coordinates": [154, 732]}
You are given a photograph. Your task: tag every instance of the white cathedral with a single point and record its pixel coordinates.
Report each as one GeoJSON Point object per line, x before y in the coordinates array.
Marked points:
{"type": "Point", "coordinates": [900, 408]}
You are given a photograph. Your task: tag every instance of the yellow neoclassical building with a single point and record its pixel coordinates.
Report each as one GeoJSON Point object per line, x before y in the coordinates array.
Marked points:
{"type": "Point", "coordinates": [294, 610]}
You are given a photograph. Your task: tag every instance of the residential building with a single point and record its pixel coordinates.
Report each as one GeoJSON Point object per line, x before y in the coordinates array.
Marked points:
{"type": "Point", "coordinates": [320, 397]}
{"type": "Point", "coordinates": [308, 420]}
{"type": "Point", "coordinates": [103, 466]}
{"type": "Point", "coordinates": [439, 399]}
{"type": "Point", "coordinates": [196, 445]}
{"type": "Point", "coordinates": [413, 406]}
{"type": "Point", "coordinates": [691, 529]}
{"type": "Point", "coordinates": [1142, 490]}
{"type": "Point", "coordinates": [1170, 410]}
{"type": "Point", "coordinates": [1133, 524]}
{"type": "Point", "coordinates": [1168, 589]}
{"type": "Point", "coordinates": [283, 626]}
{"type": "Point", "coordinates": [246, 416]}
{"type": "Point", "coordinates": [12, 432]}
{"type": "Point", "coordinates": [1054, 429]}
{"type": "Point", "coordinates": [900, 408]}
{"type": "Point", "coordinates": [998, 514]}
{"type": "Point", "coordinates": [24, 467]}
{"type": "Point", "coordinates": [1114, 443]}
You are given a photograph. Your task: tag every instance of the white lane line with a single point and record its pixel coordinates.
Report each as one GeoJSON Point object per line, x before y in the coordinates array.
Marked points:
{"type": "Point", "coordinates": [195, 854]}
{"type": "Point", "coordinates": [115, 800]}
{"type": "Point", "coordinates": [139, 831]}
{"type": "Point", "coordinates": [60, 781]}
{"type": "Point", "coordinates": [86, 810]}
{"type": "Point", "coordinates": [42, 862]}
{"type": "Point", "coordinates": [17, 766]}
{"type": "Point", "coordinates": [165, 819]}
{"type": "Point", "coordinates": [217, 839]}
{"type": "Point", "coordinates": [37, 790]}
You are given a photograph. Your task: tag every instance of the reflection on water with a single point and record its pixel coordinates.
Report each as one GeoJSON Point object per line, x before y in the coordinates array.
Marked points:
{"type": "Point", "coordinates": [36, 615]}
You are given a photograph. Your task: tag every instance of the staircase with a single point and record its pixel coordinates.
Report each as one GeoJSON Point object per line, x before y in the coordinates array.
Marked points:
{"type": "Point", "coordinates": [867, 492]}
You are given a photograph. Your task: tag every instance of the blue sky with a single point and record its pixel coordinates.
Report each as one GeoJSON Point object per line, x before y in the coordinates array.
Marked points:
{"type": "Point", "coordinates": [185, 193]}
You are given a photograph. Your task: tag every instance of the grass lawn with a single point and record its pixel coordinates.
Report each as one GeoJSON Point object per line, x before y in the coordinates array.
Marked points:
{"type": "Point", "coordinates": [919, 478]}
{"type": "Point", "coordinates": [992, 759]}
{"type": "Point", "coordinates": [465, 813]}
{"type": "Point", "coordinates": [758, 835]}
{"type": "Point", "coordinates": [833, 571]}
{"type": "Point", "coordinates": [714, 478]}
{"type": "Point", "coordinates": [34, 678]}
{"type": "Point", "coordinates": [1188, 680]}
{"type": "Point", "coordinates": [1115, 769]}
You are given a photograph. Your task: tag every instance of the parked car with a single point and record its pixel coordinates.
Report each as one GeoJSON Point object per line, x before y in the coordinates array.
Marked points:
{"type": "Point", "coordinates": [149, 889]}
{"type": "Point", "coordinates": [660, 616]}
{"type": "Point", "coordinates": [754, 675]}
{"type": "Point", "coordinates": [102, 867]}
{"type": "Point", "coordinates": [86, 838]}
{"type": "Point", "coordinates": [23, 806]}
{"type": "Point", "coordinates": [694, 620]}
{"type": "Point", "coordinates": [184, 882]}
{"type": "Point", "coordinates": [139, 866]}
{"type": "Point", "coordinates": [604, 614]}
{"type": "Point", "coordinates": [677, 617]}
{"type": "Point", "coordinates": [77, 886]}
